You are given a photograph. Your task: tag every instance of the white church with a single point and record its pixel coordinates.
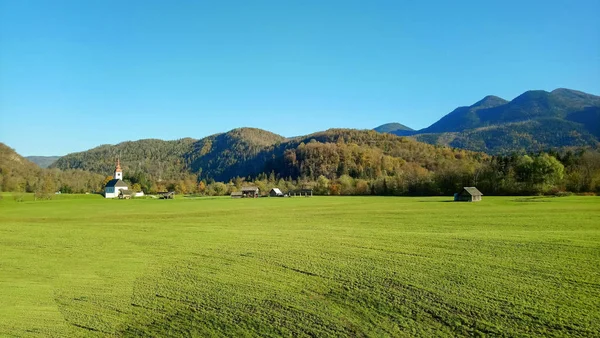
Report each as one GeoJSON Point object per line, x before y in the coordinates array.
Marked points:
{"type": "Point", "coordinates": [114, 186]}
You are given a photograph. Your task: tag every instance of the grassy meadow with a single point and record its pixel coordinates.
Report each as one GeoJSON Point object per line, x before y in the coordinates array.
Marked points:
{"type": "Point", "coordinates": [321, 266]}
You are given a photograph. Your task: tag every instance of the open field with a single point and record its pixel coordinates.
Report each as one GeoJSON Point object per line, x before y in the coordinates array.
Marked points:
{"type": "Point", "coordinates": [324, 266]}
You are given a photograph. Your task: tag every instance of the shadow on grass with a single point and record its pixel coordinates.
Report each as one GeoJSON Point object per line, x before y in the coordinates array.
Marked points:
{"type": "Point", "coordinates": [534, 199]}
{"type": "Point", "coordinates": [436, 201]}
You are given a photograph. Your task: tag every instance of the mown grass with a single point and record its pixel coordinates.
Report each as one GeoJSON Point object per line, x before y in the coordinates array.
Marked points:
{"type": "Point", "coordinates": [322, 266]}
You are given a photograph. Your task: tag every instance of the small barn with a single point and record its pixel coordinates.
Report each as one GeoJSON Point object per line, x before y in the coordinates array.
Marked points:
{"type": "Point", "coordinates": [301, 192]}
{"type": "Point", "coordinates": [126, 194]}
{"type": "Point", "coordinates": [237, 194]}
{"type": "Point", "coordinates": [166, 195]}
{"type": "Point", "coordinates": [275, 192]}
{"type": "Point", "coordinates": [251, 192]}
{"type": "Point", "coordinates": [468, 194]}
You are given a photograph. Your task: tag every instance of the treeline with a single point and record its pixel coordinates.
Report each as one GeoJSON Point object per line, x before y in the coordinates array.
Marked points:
{"type": "Point", "coordinates": [542, 173]}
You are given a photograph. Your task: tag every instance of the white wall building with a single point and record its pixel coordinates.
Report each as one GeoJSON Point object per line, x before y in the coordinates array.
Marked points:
{"type": "Point", "coordinates": [112, 188]}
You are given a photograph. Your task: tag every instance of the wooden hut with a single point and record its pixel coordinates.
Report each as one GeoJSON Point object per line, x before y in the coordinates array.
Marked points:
{"type": "Point", "coordinates": [125, 194]}
{"type": "Point", "coordinates": [237, 194]}
{"type": "Point", "coordinates": [275, 192]}
{"type": "Point", "coordinates": [167, 195]}
{"type": "Point", "coordinates": [301, 192]}
{"type": "Point", "coordinates": [468, 194]}
{"type": "Point", "coordinates": [251, 192]}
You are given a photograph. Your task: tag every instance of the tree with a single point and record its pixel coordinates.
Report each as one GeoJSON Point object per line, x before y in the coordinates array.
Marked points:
{"type": "Point", "coordinates": [346, 185]}
{"type": "Point", "coordinates": [539, 173]}
{"type": "Point", "coordinates": [136, 187]}
{"type": "Point", "coordinates": [524, 169]}
{"type": "Point", "coordinates": [322, 186]}
{"type": "Point", "coordinates": [362, 187]}
{"type": "Point", "coordinates": [547, 170]}
{"type": "Point", "coordinates": [181, 188]}
{"type": "Point", "coordinates": [106, 180]}
{"type": "Point", "coordinates": [334, 189]}
{"type": "Point", "coordinates": [219, 188]}
{"type": "Point", "coordinates": [202, 187]}
{"type": "Point", "coordinates": [45, 188]}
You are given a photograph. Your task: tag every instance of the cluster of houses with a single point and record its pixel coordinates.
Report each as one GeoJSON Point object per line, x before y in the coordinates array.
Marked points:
{"type": "Point", "coordinates": [254, 192]}
{"type": "Point", "coordinates": [118, 188]}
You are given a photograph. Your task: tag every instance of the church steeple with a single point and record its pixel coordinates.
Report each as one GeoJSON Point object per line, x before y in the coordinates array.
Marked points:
{"type": "Point", "coordinates": [118, 171]}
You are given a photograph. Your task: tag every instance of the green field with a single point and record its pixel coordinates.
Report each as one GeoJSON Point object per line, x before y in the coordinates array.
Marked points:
{"type": "Point", "coordinates": [322, 266]}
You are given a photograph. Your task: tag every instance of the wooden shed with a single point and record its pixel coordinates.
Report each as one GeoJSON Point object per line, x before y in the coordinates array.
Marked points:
{"type": "Point", "coordinates": [237, 194]}
{"type": "Point", "coordinates": [125, 194]}
{"type": "Point", "coordinates": [252, 192]}
{"type": "Point", "coordinates": [167, 195]}
{"type": "Point", "coordinates": [275, 192]}
{"type": "Point", "coordinates": [301, 192]}
{"type": "Point", "coordinates": [468, 194]}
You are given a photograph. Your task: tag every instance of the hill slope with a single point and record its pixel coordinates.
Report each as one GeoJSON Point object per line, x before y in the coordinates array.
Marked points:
{"type": "Point", "coordinates": [219, 156]}
{"type": "Point", "coordinates": [535, 120]}
{"type": "Point", "coordinates": [518, 137]}
{"type": "Point", "coordinates": [157, 158]}
{"type": "Point", "coordinates": [16, 172]}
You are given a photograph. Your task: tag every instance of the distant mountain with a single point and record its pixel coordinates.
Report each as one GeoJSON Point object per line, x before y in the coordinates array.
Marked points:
{"type": "Point", "coordinates": [395, 128]}
{"type": "Point", "coordinates": [464, 117]}
{"type": "Point", "coordinates": [535, 120]}
{"type": "Point", "coordinates": [519, 137]}
{"type": "Point", "coordinates": [248, 152]}
{"type": "Point", "coordinates": [43, 161]}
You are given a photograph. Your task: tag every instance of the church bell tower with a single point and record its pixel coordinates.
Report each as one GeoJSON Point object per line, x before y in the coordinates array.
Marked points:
{"type": "Point", "coordinates": [118, 171]}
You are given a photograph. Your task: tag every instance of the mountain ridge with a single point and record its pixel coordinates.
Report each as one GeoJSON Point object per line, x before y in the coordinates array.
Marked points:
{"type": "Point", "coordinates": [578, 110]}
{"type": "Point", "coordinates": [391, 127]}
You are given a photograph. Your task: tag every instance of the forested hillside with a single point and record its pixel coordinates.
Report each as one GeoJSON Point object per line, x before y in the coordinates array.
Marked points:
{"type": "Point", "coordinates": [247, 152]}
{"type": "Point", "coordinates": [516, 137]}
{"type": "Point", "coordinates": [18, 174]}
{"type": "Point", "coordinates": [240, 152]}
{"type": "Point", "coordinates": [156, 158]}
{"type": "Point", "coordinates": [534, 121]}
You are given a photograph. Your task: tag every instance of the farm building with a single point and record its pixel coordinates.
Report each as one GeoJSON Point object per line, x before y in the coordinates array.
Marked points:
{"type": "Point", "coordinates": [468, 194]}
{"type": "Point", "coordinates": [237, 194]}
{"type": "Point", "coordinates": [126, 194]}
{"type": "Point", "coordinates": [250, 192]}
{"type": "Point", "coordinates": [301, 192]}
{"type": "Point", "coordinates": [114, 186]}
{"type": "Point", "coordinates": [166, 195]}
{"type": "Point", "coordinates": [275, 192]}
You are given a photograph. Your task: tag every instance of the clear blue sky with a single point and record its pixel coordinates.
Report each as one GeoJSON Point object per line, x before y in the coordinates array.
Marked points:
{"type": "Point", "coordinates": [77, 74]}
